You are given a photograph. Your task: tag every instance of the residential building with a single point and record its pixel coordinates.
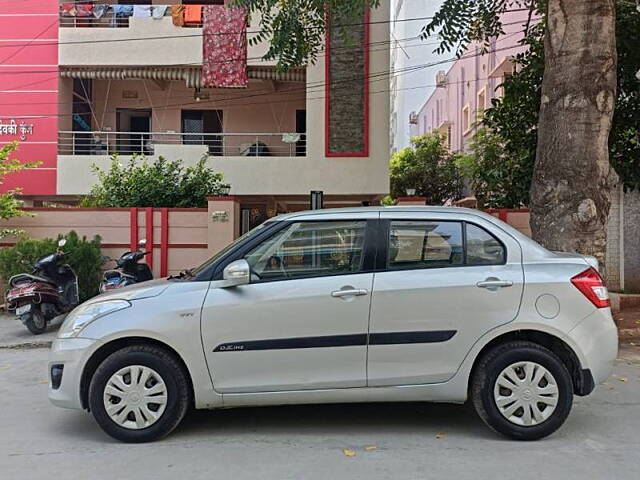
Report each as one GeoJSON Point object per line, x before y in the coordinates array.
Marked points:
{"type": "Point", "coordinates": [466, 89]}
{"type": "Point", "coordinates": [411, 56]}
{"type": "Point", "coordinates": [79, 83]}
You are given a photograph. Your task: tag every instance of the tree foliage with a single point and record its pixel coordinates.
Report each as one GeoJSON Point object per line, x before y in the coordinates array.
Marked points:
{"type": "Point", "coordinates": [624, 141]}
{"type": "Point", "coordinates": [498, 179]}
{"type": "Point", "coordinates": [513, 118]}
{"type": "Point", "coordinates": [161, 183]}
{"type": "Point", "coordinates": [295, 29]}
{"type": "Point", "coordinates": [10, 206]}
{"type": "Point", "coordinates": [429, 168]}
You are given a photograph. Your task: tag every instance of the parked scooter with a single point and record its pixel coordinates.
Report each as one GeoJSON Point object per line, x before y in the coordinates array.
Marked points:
{"type": "Point", "coordinates": [51, 289]}
{"type": "Point", "coordinates": [128, 271]}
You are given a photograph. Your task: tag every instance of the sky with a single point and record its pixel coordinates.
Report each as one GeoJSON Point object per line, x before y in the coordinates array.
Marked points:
{"type": "Point", "coordinates": [413, 87]}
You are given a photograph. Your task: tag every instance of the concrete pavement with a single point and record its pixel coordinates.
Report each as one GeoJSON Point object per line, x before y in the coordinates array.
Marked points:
{"type": "Point", "coordinates": [13, 334]}
{"type": "Point", "coordinates": [39, 441]}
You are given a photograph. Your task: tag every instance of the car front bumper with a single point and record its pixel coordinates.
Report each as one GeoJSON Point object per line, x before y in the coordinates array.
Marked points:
{"type": "Point", "coordinates": [597, 338]}
{"type": "Point", "coordinates": [67, 359]}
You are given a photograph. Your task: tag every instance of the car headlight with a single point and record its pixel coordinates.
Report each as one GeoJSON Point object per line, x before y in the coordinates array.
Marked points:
{"type": "Point", "coordinates": [85, 314]}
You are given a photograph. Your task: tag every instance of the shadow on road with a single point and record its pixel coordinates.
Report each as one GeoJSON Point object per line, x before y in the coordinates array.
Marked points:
{"type": "Point", "coordinates": [364, 419]}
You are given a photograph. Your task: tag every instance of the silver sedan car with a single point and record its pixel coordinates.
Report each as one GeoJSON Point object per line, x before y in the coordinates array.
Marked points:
{"type": "Point", "coordinates": [347, 305]}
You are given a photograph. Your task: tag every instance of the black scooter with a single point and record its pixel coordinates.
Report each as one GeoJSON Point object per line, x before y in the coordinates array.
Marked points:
{"type": "Point", "coordinates": [51, 289]}
{"type": "Point", "coordinates": [128, 271]}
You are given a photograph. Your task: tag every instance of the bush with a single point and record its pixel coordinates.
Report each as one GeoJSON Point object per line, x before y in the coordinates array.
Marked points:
{"type": "Point", "coordinates": [429, 167]}
{"type": "Point", "coordinates": [498, 178]}
{"type": "Point", "coordinates": [83, 255]}
{"type": "Point", "coordinates": [161, 183]}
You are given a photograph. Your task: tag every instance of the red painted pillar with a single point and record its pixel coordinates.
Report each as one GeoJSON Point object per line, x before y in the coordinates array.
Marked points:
{"type": "Point", "coordinates": [149, 234]}
{"type": "Point", "coordinates": [164, 242]}
{"type": "Point", "coordinates": [133, 228]}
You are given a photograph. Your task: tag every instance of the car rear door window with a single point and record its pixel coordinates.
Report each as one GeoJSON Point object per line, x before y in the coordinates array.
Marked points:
{"type": "Point", "coordinates": [425, 244]}
{"type": "Point", "coordinates": [483, 248]}
{"type": "Point", "coordinates": [310, 249]}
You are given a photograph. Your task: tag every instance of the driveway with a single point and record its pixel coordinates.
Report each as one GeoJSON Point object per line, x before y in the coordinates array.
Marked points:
{"type": "Point", "coordinates": [38, 441]}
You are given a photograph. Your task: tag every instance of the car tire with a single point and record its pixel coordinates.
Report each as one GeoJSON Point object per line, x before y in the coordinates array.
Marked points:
{"type": "Point", "coordinates": [34, 321]}
{"type": "Point", "coordinates": [517, 407]}
{"type": "Point", "coordinates": [160, 378]}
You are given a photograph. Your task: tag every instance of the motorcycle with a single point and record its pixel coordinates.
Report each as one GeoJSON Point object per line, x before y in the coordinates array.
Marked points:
{"type": "Point", "coordinates": [128, 271]}
{"type": "Point", "coordinates": [51, 289]}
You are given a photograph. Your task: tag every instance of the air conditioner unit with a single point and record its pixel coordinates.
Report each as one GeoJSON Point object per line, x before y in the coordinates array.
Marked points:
{"type": "Point", "coordinates": [441, 79]}
{"type": "Point", "coordinates": [413, 118]}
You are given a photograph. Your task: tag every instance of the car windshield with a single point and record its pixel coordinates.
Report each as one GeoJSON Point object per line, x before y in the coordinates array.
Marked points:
{"type": "Point", "coordinates": [194, 272]}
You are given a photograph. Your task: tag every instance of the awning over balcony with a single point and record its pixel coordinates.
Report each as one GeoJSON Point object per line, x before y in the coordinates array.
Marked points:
{"type": "Point", "coordinates": [192, 76]}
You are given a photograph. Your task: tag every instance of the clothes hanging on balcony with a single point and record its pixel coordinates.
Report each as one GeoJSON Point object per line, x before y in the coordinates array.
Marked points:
{"type": "Point", "coordinates": [68, 9]}
{"type": "Point", "coordinates": [158, 11]}
{"type": "Point", "coordinates": [224, 47]}
{"type": "Point", "coordinates": [84, 9]}
{"type": "Point", "coordinates": [177, 12]}
{"type": "Point", "coordinates": [192, 14]}
{"type": "Point", "coordinates": [100, 10]}
{"type": "Point", "coordinates": [142, 10]}
{"type": "Point", "coordinates": [120, 11]}
{"type": "Point", "coordinates": [77, 9]}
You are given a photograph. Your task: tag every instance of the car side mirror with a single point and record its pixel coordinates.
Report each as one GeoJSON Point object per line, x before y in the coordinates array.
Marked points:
{"type": "Point", "coordinates": [236, 273]}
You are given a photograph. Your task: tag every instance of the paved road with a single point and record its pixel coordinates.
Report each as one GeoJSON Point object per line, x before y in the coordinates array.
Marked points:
{"type": "Point", "coordinates": [601, 439]}
{"type": "Point", "coordinates": [13, 333]}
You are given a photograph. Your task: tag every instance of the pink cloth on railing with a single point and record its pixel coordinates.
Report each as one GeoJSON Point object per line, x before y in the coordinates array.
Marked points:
{"type": "Point", "coordinates": [84, 9]}
{"type": "Point", "coordinates": [224, 47]}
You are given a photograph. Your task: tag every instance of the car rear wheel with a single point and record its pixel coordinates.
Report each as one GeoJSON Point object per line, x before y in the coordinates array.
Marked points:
{"type": "Point", "coordinates": [522, 390]}
{"type": "Point", "coordinates": [139, 394]}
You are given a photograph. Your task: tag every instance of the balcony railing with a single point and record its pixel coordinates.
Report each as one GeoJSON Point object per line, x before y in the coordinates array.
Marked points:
{"type": "Point", "coordinates": [218, 144]}
{"type": "Point", "coordinates": [88, 14]}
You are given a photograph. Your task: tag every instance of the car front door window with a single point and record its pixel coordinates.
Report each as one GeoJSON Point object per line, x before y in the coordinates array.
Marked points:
{"type": "Point", "coordinates": [309, 249]}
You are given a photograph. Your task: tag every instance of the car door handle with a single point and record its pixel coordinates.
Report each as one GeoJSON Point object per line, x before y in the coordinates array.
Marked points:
{"type": "Point", "coordinates": [356, 292]}
{"type": "Point", "coordinates": [494, 283]}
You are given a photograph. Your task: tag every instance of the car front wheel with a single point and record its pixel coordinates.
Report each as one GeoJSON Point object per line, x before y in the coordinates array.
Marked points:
{"type": "Point", "coordinates": [139, 394]}
{"type": "Point", "coordinates": [522, 390]}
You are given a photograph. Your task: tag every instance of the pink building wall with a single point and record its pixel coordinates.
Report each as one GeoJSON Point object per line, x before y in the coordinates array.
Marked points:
{"type": "Point", "coordinates": [29, 90]}
{"type": "Point", "coordinates": [466, 78]}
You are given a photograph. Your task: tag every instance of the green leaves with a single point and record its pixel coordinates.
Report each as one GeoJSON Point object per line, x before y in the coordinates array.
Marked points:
{"type": "Point", "coordinates": [505, 157]}
{"type": "Point", "coordinates": [295, 28]}
{"type": "Point", "coordinates": [429, 167]}
{"type": "Point", "coordinates": [498, 179]}
{"type": "Point", "coordinates": [9, 206]}
{"type": "Point", "coordinates": [162, 183]}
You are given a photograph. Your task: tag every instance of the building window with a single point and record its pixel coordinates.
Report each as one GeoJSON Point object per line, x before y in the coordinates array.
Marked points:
{"type": "Point", "coordinates": [198, 127]}
{"type": "Point", "coordinates": [482, 101]}
{"type": "Point", "coordinates": [466, 119]}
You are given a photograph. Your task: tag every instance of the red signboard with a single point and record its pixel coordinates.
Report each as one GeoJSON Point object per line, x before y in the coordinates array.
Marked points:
{"type": "Point", "coordinates": [29, 90]}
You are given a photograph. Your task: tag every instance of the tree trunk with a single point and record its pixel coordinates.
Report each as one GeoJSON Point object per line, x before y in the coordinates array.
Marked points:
{"type": "Point", "coordinates": [570, 192]}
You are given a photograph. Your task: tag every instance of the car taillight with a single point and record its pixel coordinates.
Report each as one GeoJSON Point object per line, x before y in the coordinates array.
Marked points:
{"type": "Point", "coordinates": [591, 285]}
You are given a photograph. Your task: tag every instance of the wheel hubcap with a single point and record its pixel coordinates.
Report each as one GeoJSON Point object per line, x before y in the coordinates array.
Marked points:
{"type": "Point", "coordinates": [135, 397]}
{"type": "Point", "coordinates": [526, 393]}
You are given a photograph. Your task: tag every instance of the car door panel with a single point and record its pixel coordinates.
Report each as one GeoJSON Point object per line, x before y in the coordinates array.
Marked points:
{"type": "Point", "coordinates": [442, 312]}
{"type": "Point", "coordinates": [288, 335]}
{"type": "Point", "coordinates": [287, 332]}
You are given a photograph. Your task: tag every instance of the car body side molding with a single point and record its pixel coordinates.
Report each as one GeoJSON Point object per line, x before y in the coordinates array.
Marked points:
{"type": "Point", "coordinates": [358, 339]}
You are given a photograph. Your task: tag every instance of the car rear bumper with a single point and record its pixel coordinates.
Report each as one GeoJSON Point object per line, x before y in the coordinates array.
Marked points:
{"type": "Point", "coordinates": [597, 338]}
{"type": "Point", "coordinates": [66, 362]}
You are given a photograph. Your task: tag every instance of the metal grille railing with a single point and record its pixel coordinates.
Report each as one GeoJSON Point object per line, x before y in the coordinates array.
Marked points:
{"type": "Point", "coordinates": [218, 144]}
